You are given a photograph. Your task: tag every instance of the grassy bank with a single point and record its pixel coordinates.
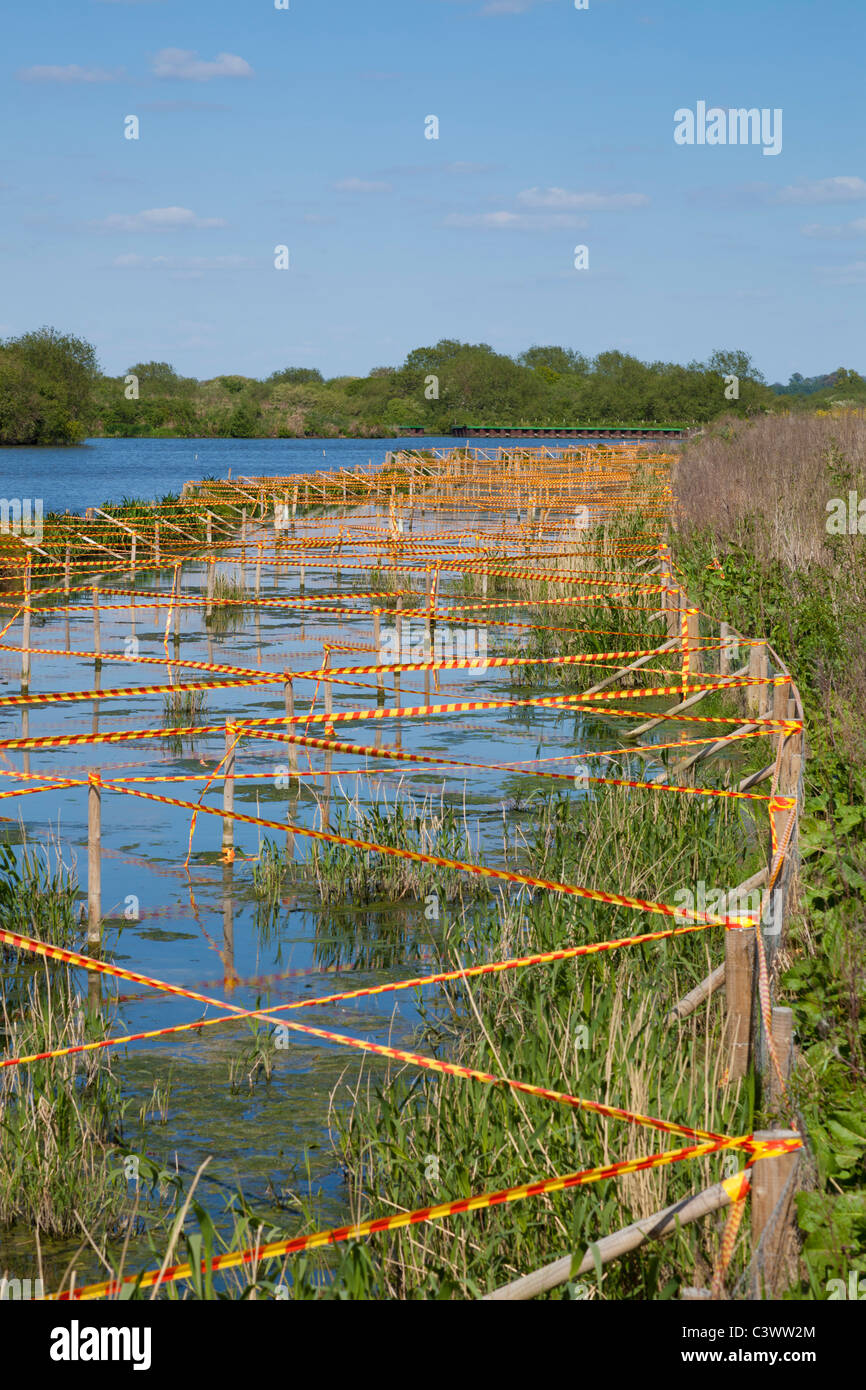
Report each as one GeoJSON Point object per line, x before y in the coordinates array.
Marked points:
{"type": "Point", "coordinates": [766, 501]}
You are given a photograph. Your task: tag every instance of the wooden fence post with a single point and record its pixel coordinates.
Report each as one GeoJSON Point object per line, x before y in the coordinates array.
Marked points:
{"type": "Point", "coordinates": [757, 659]}
{"type": "Point", "coordinates": [765, 691]}
{"type": "Point", "coordinates": [772, 1202]}
{"type": "Point", "coordinates": [781, 694]}
{"type": "Point", "coordinates": [675, 601]}
{"type": "Point", "coordinates": [783, 1041]}
{"type": "Point", "coordinates": [739, 992]}
{"type": "Point", "coordinates": [694, 639]}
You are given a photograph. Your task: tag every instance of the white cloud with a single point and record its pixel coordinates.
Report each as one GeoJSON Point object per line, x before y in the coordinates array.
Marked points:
{"type": "Point", "coordinates": [845, 229]}
{"type": "Point", "coordinates": [361, 186]}
{"type": "Point", "coordinates": [185, 64]}
{"type": "Point", "coordinates": [70, 73]}
{"type": "Point", "coordinates": [517, 221]}
{"type": "Point", "coordinates": [844, 188]}
{"type": "Point", "coordinates": [847, 188]}
{"type": "Point", "coordinates": [158, 220]}
{"type": "Point", "coordinates": [586, 202]}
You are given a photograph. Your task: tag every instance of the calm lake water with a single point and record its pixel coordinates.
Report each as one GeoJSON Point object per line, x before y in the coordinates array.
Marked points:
{"type": "Point", "coordinates": [105, 470]}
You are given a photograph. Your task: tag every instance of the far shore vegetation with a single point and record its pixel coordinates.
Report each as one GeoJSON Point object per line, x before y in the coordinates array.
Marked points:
{"type": "Point", "coordinates": [53, 392]}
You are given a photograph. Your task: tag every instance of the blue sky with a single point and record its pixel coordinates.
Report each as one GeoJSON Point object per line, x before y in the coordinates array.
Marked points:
{"type": "Point", "coordinates": [305, 127]}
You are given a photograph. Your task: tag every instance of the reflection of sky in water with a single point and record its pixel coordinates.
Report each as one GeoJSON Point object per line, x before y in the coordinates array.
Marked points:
{"type": "Point", "coordinates": [183, 923]}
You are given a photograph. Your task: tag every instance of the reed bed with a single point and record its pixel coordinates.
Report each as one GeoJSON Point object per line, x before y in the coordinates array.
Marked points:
{"type": "Point", "coordinates": [341, 874]}
{"type": "Point", "coordinates": [595, 1028]}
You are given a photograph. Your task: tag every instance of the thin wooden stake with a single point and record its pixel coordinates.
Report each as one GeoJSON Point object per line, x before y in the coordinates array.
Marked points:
{"type": "Point", "coordinates": [290, 711]}
{"type": "Point", "coordinates": [25, 627]}
{"type": "Point", "coordinates": [398, 623]}
{"type": "Point", "coordinates": [377, 640]}
{"type": "Point", "coordinates": [97, 640]}
{"type": "Point", "coordinates": [329, 689]}
{"type": "Point", "coordinates": [94, 866]}
{"type": "Point", "coordinates": [178, 584]}
{"type": "Point", "coordinates": [229, 793]}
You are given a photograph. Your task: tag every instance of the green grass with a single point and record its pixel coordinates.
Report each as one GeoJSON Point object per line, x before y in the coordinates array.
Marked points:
{"type": "Point", "coordinates": [594, 1027]}
{"type": "Point", "coordinates": [59, 1118]}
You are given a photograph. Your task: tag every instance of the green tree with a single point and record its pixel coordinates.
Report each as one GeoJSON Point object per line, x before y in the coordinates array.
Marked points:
{"type": "Point", "coordinates": [734, 362]}
{"type": "Point", "coordinates": [160, 375]}
{"type": "Point", "coordinates": [244, 421]}
{"type": "Point", "coordinates": [233, 384]}
{"type": "Point", "coordinates": [296, 376]}
{"type": "Point", "coordinates": [47, 382]}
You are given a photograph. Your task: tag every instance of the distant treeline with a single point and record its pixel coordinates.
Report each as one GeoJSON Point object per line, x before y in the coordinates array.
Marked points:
{"type": "Point", "coordinates": [837, 382]}
{"type": "Point", "coordinates": [52, 392]}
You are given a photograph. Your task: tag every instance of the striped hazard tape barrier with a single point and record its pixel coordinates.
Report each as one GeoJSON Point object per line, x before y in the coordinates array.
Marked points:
{"type": "Point", "coordinates": [236, 1259]}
